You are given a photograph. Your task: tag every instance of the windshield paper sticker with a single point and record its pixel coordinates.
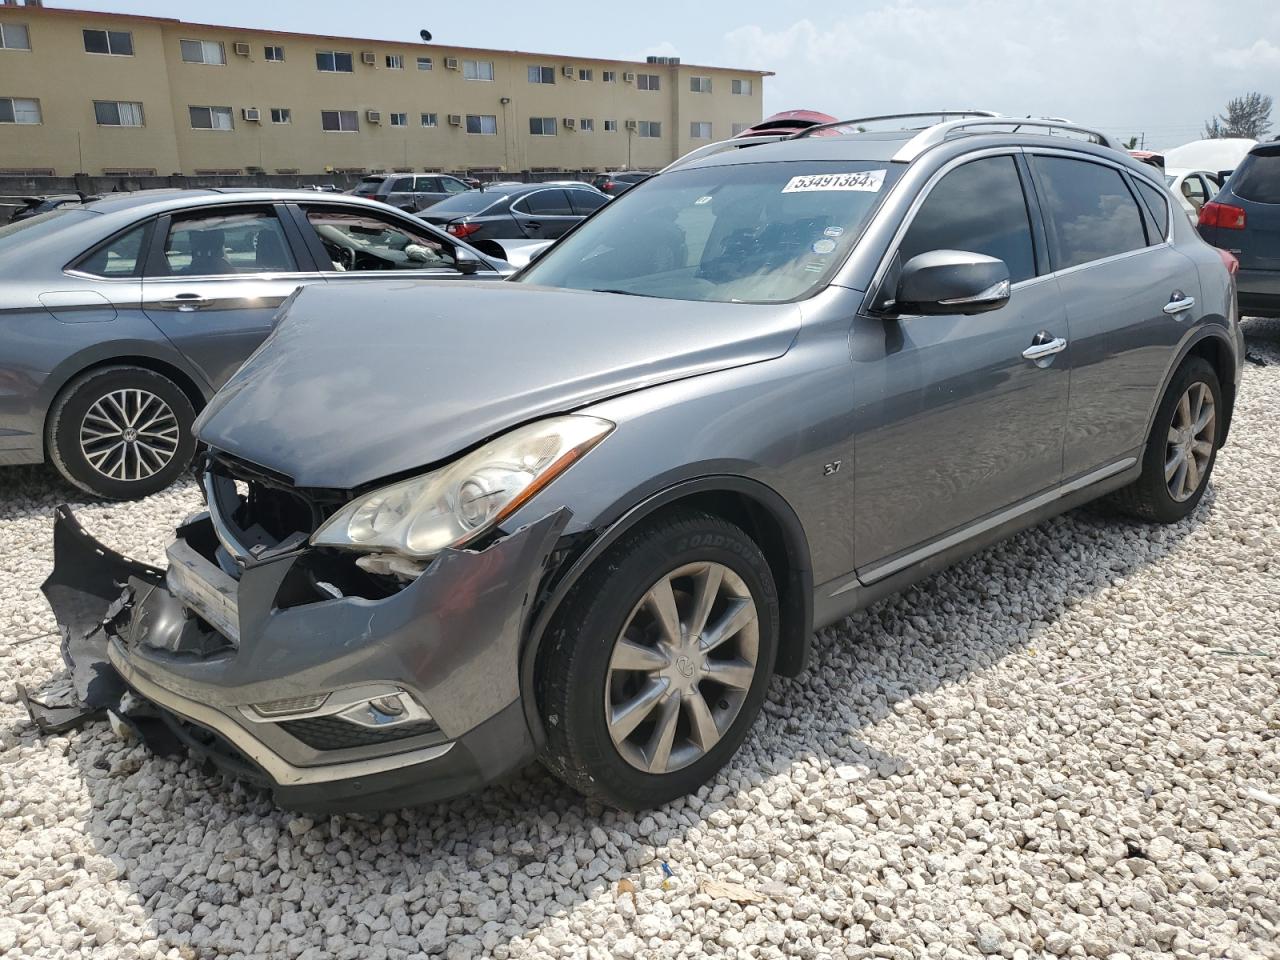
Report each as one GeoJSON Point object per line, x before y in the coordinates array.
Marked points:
{"type": "Point", "coordinates": [867, 180]}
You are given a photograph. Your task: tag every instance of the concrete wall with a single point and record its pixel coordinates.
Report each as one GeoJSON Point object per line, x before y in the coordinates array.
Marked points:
{"type": "Point", "coordinates": [66, 80]}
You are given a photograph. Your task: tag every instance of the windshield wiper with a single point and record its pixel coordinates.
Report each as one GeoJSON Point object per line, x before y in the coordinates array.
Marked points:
{"type": "Point", "coordinates": [625, 293]}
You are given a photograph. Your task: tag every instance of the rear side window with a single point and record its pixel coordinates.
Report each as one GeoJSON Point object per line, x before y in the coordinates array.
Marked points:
{"type": "Point", "coordinates": [546, 203]}
{"type": "Point", "coordinates": [585, 203]}
{"type": "Point", "coordinates": [1157, 203]}
{"type": "Point", "coordinates": [402, 185]}
{"type": "Point", "coordinates": [1258, 178]}
{"type": "Point", "coordinates": [119, 257]}
{"type": "Point", "coordinates": [1090, 212]}
{"type": "Point", "coordinates": [979, 207]}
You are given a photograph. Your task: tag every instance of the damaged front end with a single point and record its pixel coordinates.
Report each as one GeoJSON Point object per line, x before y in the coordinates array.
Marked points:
{"type": "Point", "coordinates": [293, 667]}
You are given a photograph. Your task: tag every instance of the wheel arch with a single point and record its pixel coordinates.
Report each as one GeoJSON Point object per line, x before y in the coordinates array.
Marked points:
{"type": "Point", "coordinates": [1212, 344]}
{"type": "Point", "coordinates": [758, 509]}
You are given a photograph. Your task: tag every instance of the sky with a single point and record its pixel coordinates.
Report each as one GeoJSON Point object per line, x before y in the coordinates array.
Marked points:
{"type": "Point", "coordinates": [1129, 67]}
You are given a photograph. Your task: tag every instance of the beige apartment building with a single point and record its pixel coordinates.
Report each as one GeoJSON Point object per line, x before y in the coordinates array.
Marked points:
{"type": "Point", "coordinates": [103, 94]}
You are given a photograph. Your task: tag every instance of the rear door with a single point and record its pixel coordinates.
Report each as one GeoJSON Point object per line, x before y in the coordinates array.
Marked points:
{"type": "Point", "coordinates": [1130, 298]}
{"type": "Point", "coordinates": [544, 214]}
{"type": "Point", "coordinates": [426, 191]}
{"type": "Point", "coordinates": [214, 278]}
{"type": "Point", "coordinates": [401, 193]}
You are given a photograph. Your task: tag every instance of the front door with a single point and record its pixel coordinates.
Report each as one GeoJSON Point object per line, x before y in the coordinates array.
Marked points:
{"type": "Point", "coordinates": [544, 214]}
{"type": "Point", "coordinates": [954, 422]}
{"type": "Point", "coordinates": [214, 279]}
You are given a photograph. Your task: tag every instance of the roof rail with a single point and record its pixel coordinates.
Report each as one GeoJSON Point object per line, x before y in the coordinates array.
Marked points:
{"type": "Point", "coordinates": [723, 146]}
{"type": "Point", "coordinates": [936, 134]}
{"type": "Point", "coordinates": [858, 121]}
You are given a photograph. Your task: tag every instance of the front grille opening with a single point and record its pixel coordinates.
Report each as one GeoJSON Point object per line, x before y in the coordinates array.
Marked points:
{"type": "Point", "coordinates": [263, 508]}
{"type": "Point", "coordinates": [318, 573]}
{"type": "Point", "coordinates": [334, 733]}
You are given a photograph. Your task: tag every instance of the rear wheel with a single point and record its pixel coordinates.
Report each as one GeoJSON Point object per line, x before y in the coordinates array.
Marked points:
{"type": "Point", "coordinates": [121, 432]}
{"type": "Point", "coordinates": [658, 661]}
{"type": "Point", "coordinates": [1181, 450]}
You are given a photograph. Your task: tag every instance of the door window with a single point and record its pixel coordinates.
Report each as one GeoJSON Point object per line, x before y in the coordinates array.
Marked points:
{"type": "Point", "coordinates": [427, 185]}
{"type": "Point", "coordinates": [585, 202]}
{"type": "Point", "coordinates": [1193, 190]}
{"type": "Point", "coordinates": [119, 257]}
{"type": "Point", "coordinates": [226, 242]}
{"type": "Point", "coordinates": [545, 203]}
{"type": "Point", "coordinates": [402, 185]}
{"type": "Point", "coordinates": [1090, 212]}
{"type": "Point", "coordinates": [979, 207]}
{"type": "Point", "coordinates": [453, 186]}
{"type": "Point", "coordinates": [364, 241]}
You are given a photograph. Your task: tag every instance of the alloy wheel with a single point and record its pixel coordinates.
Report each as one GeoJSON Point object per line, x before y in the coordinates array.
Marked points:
{"type": "Point", "coordinates": [682, 667]}
{"type": "Point", "coordinates": [129, 434]}
{"type": "Point", "coordinates": [1190, 442]}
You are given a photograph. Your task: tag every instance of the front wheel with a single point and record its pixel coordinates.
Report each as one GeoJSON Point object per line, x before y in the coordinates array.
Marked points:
{"type": "Point", "coordinates": [657, 663]}
{"type": "Point", "coordinates": [1181, 450]}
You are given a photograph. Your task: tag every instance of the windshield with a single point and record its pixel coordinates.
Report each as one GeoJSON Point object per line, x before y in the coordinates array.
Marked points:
{"type": "Point", "coordinates": [24, 231]}
{"type": "Point", "coordinates": [750, 233]}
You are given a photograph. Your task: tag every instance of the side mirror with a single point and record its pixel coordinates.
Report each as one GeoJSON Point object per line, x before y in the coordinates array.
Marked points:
{"type": "Point", "coordinates": [952, 281]}
{"type": "Point", "coordinates": [465, 262]}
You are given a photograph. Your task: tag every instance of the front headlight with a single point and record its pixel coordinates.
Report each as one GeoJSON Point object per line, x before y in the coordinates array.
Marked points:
{"type": "Point", "coordinates": [457, 503]}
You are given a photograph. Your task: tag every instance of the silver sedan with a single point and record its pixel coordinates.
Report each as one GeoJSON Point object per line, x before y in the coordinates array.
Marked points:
{"type": "Point", "coordinates": [119, 319]}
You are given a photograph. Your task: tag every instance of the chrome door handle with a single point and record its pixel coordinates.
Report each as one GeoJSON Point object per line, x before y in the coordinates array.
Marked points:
{"type": "Point", "coordinates": [186, 302]}
{"type": "Point", "coordinates": [1038, 351]}
{"type": "Point", "coordinates": [1179, 305]}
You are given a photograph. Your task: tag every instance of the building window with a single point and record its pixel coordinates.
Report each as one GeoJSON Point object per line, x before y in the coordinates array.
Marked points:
{"type": "Point", "coordinates": [19, 110]}
{"type": "Point", "coordinates": [204, 51]}
{"type": "Point", "coordinates": [742, 87]}
{"type": "Point", "coordinates": [699, 130]}
{"type": "Point", "coordinates": [430, 120]}
{"type": "Point", "coordinates": [116, 43]}
{"type": "Point", "coordinates": [114, 113]}
{"type": "Point", "coordinates": [210, 118]}
{"type": "Point", "coordinates": [333, 61]}
{"type": "Point", "coordinates": [647, 81]}
{"type": "Point", "coordinates": [424, 63]}
{"type": "Point", "coordinates": [273, 54]}
{"type": "Point", "coordinates": [610, 126]}
{"type": "Point", "coordinates": [739, 127]}
{"type": "Point", "coordinates": [340, 121]}
{"type": "Point", "coordinates": [584, 74]}
{"type": "Point", "coordinates": [542, 74]}
{"type": "Point", "coordinates": [486, 124]}
{"type": "Point", "coordinates": [700, 84]}
{"type": "Point", "coordinates": [395, 61]}
{"type": "Point", "coordinates": [609, 76]}
{"type": "Point", "coordinates": [399, 119]}
{"type": "Point", "coordinates": [14, 36]}
{"type": "Point", "coordinates": [587, 125]}
{"type": "Point", "coordinates": [649, 128]}
{"type": "Point", "coordinates": [542, 126]}
{"type": "Point", "coordinates": [477, 69]}
{"type": "Point", "coordinates": [281, 115]}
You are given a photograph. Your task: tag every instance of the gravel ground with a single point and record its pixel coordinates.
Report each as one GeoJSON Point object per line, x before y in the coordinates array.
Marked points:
{"type": "Point", "coordinates": [1068, 745]}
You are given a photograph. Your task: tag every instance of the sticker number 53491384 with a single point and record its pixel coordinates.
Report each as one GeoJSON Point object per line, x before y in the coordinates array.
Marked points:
{"type": "Point", "coordinates": [869, 180]}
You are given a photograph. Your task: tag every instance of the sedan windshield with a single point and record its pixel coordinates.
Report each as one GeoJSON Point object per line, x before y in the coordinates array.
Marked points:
{"type": "Point", "coordinates": [750, 233]}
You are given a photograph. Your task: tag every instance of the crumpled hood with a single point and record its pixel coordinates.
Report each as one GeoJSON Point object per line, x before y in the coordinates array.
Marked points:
{"type": "Point", "coordinates": [365, 379]}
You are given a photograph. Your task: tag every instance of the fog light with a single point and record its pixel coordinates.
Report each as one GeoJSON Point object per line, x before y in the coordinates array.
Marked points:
{"type": "Point", "coordinates": [391, 706]}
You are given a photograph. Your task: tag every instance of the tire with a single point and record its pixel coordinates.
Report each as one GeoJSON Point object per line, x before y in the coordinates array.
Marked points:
{"type": "Point", "coordinates": [155, 450]}
{"type": "Point", "coordinates": [1151, 496]}
{"type": "Point", "coordinates": [583, 672]}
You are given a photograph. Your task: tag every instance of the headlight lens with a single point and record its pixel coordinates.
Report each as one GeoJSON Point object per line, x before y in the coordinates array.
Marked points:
{"type": "Point", "coordinates": [450, 506]}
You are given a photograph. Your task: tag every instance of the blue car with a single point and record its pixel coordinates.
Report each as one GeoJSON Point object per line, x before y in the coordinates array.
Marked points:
{"type": "Point", "coordinates": [1244, 219]}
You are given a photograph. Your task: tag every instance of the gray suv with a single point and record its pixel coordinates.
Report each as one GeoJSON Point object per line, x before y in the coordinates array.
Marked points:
{"type": "Point", "coordinates": [777, 381]}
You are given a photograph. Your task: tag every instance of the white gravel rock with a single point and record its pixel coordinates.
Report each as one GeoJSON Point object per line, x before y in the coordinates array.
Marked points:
{"type": "Point", "coordinates": [1065, 746]}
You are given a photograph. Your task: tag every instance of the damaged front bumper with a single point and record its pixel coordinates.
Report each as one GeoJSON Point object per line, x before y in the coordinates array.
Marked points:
{"type": "Point", "coordinates": [334, 702]}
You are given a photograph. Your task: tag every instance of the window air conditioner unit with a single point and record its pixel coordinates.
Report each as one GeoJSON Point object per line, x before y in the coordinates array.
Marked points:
{"type": "Point", "coordinates": [242, 49]}
{"type": "Point", "coordinates": [368, 58]}
{"type": "Point", "coordinates": [628, 78]}
{"type": "Point", "coordinates": [455, 119]}
{"type": "Point", "coordinates": [373, 116]}
{"type": "Point", "coordinates": [252, 114]}
{"type": "Point", "coordinates": [451, 63]}
{"type": "Point", "coordinates": [569, 72]}
{"type": "Point", "coordinates": [631, 125]}
{"type": "Point", "coordinates": [570, 123]}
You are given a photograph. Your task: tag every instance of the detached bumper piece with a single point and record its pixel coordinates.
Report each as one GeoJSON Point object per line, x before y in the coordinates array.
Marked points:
{"type": "Point", "coordinates": [335, 699]}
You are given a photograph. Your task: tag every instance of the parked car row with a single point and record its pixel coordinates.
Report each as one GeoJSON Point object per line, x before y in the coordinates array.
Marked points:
{"type": "Point", "coordinates": [587, 514]}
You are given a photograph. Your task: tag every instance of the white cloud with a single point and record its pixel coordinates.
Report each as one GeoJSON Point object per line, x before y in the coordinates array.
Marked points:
{"type": "Point", "coordinates": [1130, 68]}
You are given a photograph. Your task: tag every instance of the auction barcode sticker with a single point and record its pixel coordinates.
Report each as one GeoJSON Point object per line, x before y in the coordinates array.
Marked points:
{"type": "Point", "coordinates": [868, 180]}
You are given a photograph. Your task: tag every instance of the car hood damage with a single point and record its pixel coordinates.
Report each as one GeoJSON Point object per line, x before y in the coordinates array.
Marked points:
{"type": "Point", "coordinates": [361, 381]}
